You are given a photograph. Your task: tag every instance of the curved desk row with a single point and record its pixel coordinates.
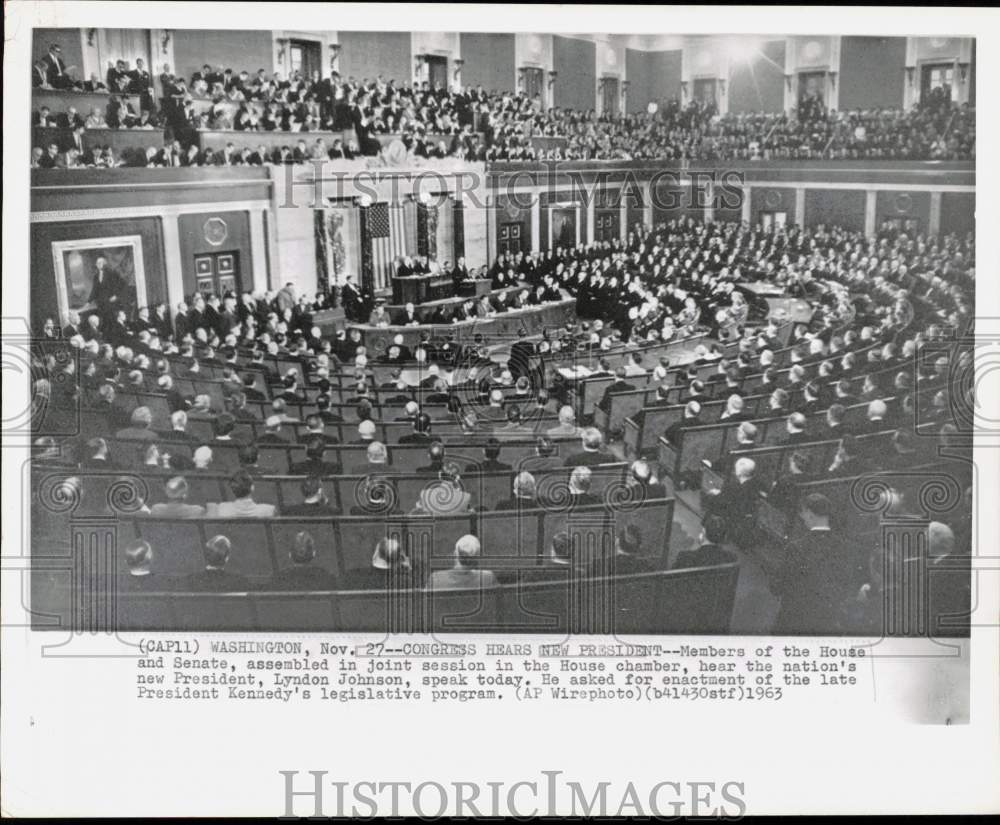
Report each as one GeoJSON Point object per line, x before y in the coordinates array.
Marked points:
{"type": "Point", "coordinates": [504, 326]}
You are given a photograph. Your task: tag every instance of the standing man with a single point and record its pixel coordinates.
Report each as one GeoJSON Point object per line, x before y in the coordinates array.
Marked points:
{"type": "Point", "coordinates": [107, 294]}
{"type": "Point", "coordinates": [821, 573]}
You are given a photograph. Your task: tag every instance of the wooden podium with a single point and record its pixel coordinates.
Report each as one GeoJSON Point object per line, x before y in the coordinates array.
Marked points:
{"type": "Point", "coordinates": [418, 289]}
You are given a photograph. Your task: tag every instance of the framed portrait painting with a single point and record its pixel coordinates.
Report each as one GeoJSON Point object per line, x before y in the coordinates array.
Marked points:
{"type": "Point", "coordinates": [99, 275]}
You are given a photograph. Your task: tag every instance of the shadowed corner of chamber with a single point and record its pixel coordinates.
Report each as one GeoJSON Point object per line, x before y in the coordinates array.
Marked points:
{"type": "Point", "coordinates": [41, 395]}
{"type": "Point", "coordinates": [919, 569]}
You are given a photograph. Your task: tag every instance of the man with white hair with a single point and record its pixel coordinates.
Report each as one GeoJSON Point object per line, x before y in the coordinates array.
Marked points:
{"type": "Point", "coordinates": [390, 569]}
{"type": "Point", "coordinates": [566, 426]}
{"type": "Point", "coordinates": [593, 450]}
{"type": "Point", "coordinates": [466, 574]}
{"type": "Point", "coordinates": [523, 493]}
{"type": "Point", "coordinates": [734, 410]}
{"type": "Point", "coordinates": [202, 457]}
{"type": "Point", "coordinates": [580, 480]}
{"type": "Point", "coordinates": [795, 429]}
{"type": "Point", "coordinates": [140, 426]}
{"type": "Point", "coordinates": [689, 418]}
{"type": "Point", "coordinates": [408, 317]}
{"type": "Point", "coordinates": [176, 506]}
{"type": "Point", "coordinates": [875, 419]}
{"type": "Point", "coordinates": [737, 501]}
{"type": "Point", "coordinates": [178, 429]}
{"type": "Point", "coordinates": [366, 432]}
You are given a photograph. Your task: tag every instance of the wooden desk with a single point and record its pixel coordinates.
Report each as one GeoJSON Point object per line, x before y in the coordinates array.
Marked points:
{"type": "Point", "coordinates": [419, 289]}
{"type": "Point", "coordinates": [500, 328]}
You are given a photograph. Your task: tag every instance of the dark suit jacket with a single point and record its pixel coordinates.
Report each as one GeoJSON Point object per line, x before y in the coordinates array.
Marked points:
{"type": "Point", "coordinates": [310, 510]}
{"type": "Point", "coordinates": [617, 386]}
{"type": "Point", "coordinates": [707, 555]}
{"type": "Point", "coordinates": [492, 466]}
{"type": "Point", "coordinates": [217, 581]}
{"type": "Point", "coordinates": [588, 459]}
{"type": "Point", "coordinates": [302, 577]}
{"type": "Point", "coordinates": [314, 467]}
{"type": "Point", "coordinates": [820, 574]}
{"type": "Point", "coordinates": [416, 438]}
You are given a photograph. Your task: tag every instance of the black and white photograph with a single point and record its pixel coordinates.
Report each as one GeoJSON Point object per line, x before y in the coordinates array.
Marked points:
{"type": "Point", "coordinates": [655, 334]}
{"type": "Point", "coordinates": [507, 333]}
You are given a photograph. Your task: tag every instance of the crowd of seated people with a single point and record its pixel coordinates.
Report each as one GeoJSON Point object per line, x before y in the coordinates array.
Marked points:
{"type": "Point", "coordinates": [910, 295]}
{"type": "Point", "coordinates": [480, 125]}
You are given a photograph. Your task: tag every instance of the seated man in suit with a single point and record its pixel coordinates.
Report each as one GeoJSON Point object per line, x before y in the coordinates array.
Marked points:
{"type": "Point", "coordinates": [444, 496]}
{"type": "Point", "coordinates": [435, 455]}
{"type": "Point", "coordinates": [690, 418]}
{"type": "Point", "coordinates": [627, 558]}
{"type": "Point", "coordinates": [579, 494]}
{"type": "Point", "coordinates": [97, 455]}
{"type": "Point", "coordinates": [366, 432]}
{"type": "Point", "coordinates": [558, 565]}
{"type": "Point", "coordinates": [304, 574]}
{"type": "Point", "coordinates": [820, 574]}
{"type": "Point", "coordinates": [545, 457]}
{"type": "Point", "coordinates": [176, 506]}
{"type": "Point", "coordinates": [408, 317]}
{"type": "Point", "coordinates": [315, 428]}
{"type": "Point", "coordinates": [850, 460]}
{"type": "Point", "coordinates": [618, 385]}
{"type": "Point", "coordinates": [314, 465]}
{"type": "Point", "coordinates": [660, 401]}
{"type": "Point", "coordinates": [524, 494]}
{"type": "Point", "coordinates": [314, 500]}
{"type": "Point", "coordinates": [795, 430]}
{"type": "Point", "coordinates": [379, 316]}
{"type": "Point", "coordinates": [273, 434]}
{"type": "Point", "coordinates": [243, 505]}
{"type": "Point", "coordinates": [140, 426]}
{"type": "Point", "coordinates": [875, 419]}
{"type": "Point", "coordinates": [737, 501]}
{"type": "Point", "coordinates": [215, 578]}
{"type": "Point", "coordinates": [465, 575]}
{"type": "Point", "coordinates": [784, 494]}
{"type": "Point", "coordinates": [375, 495]}
{"type": "Point", "coordinates": [735, 410]}
{"type": "Point", "coordinates": [421, 431]}
{"type": "Point", "coordinates": [709, 552]}
{"type": "Point", "coordinates": [643, 484]}
{"type": "Point", "coordinates": [593, 452]}
{"type": "Point", "coordinates": [139, 576]}
{"type": "Point", "coordinates": [391, 569]}
{"type": "Point", "coordinates": [491, 462]}
{"type": "Point", "coordinates": [514, 428]}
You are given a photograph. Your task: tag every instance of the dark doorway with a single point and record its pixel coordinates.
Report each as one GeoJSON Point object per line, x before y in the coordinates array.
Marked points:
{"type": "Point", "coordinates": [609, 96]}
{"type": "Point", "coordinates": [437, 71]}
{"type": "Point", "coordinates": [218, 272]}
{"type": "Point", "coordinates": [534, 84]}
{"type": "Point", "coordinates": [306, 56]}
{"type": "Point", "coordinates": [607, 224]}
{"type": "Point", "coordinates": [704, 89]}
{"type": "Point", "coordinates": [510, 237]}
{"type": "Point", "coordinates": [936, 82]}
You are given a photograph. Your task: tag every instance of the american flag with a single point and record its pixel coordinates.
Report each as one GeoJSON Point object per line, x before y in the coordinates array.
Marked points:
{"type": "Point", "coordinates": [388, 233]}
